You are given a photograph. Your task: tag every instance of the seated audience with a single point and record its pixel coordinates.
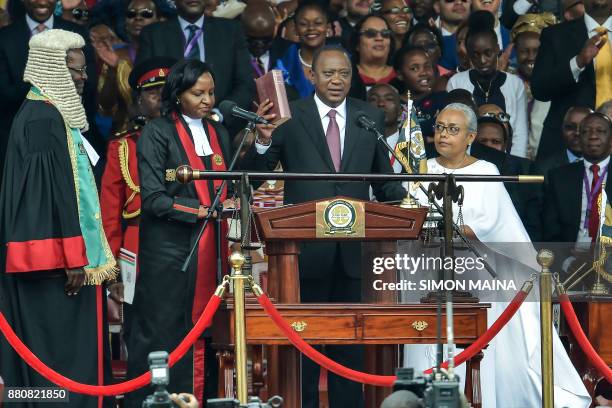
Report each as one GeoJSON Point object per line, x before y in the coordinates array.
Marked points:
{"type": "Point", "coordinates": [526, 37]}
{"type": "Point", "coordinates": [488, 84]}
{"type": "Point", "coordinates": [399, 17]}
{"type": "Point", "coordinates": [430, 38]}
{"type": "Point", "coordinates": [573, 68]}
{"type": "Point", "coordinates": [416, 74]}
{"type": "Point", "coordinates": [569, 213]}
{"type": "Point", "coordinates": [453, 14]}
{"type": "Point", "coordinates": [372, 48]}
{"type": "Point", "coordinates": [311, 23]}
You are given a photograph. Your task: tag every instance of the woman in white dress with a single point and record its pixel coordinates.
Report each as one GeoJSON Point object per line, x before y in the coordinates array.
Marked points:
{"type": "Point", "coordinates": [510, 370]}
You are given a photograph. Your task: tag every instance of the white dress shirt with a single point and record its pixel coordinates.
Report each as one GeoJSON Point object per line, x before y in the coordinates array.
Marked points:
{"type": "Point", "coordinates": [200, 23]}
{"type": "Point", "coordinates": [323, 110]}
{"type": "Point", "coordinates": [591, 26]}
{"type": "Point", "coordinates": [583, 233]}
{"type": "Point", "coordinates": [200, 140]}
{"type": "Point", "coordinates": [33, 25]}
{"type": "Point", "coordinates": [265, 60]}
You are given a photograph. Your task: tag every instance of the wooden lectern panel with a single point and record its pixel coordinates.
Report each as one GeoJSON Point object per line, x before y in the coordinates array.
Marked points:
{"type": "Point", "coordinates": [383, 222]}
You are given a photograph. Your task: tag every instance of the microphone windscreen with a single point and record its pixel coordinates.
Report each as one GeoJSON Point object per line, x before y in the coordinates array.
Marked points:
{"type": "Point", "coordinates": [363, 120]}
{"type": "Point", "coordinates": [226, 107]}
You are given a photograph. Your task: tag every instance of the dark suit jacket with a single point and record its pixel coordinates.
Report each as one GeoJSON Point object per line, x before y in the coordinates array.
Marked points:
{"type": "Point", "coordinates": [225, 50]}
{"type": "Point", "coordinates": [553, 80]}
{"type": "Point", "coordinates": [300, 146]}
{"type": "Point", "coordinates": [14, 40]}
{"type": "Point", "coordinates": [563, 202]}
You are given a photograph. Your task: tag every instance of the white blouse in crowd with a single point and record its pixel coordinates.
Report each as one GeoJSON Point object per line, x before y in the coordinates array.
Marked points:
{"type": "Point", "coordinates": [200, 140]}
{"type": "Point", "coordinates": [515, 97]}
{"type": "Point", "coordinates": [510, 371]}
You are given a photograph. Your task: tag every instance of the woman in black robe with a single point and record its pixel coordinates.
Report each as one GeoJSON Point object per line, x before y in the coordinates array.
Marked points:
{"type": "Point", "coordinates": [168, 302]}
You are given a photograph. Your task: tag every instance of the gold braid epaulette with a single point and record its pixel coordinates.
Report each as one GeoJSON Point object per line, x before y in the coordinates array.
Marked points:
{"type": "Point", "coordinates": [124, 152]}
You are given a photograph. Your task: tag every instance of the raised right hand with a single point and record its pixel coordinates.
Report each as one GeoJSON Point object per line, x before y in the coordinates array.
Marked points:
{"type": "Point", "coordinates": [265, 131]}
{"type": "Point", "coordinates": [591, 49]}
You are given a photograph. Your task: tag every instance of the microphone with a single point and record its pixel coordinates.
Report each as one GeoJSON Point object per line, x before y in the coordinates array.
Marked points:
{"type": "Point", "coordinates": [228, 108]}
{"type": "Point", "coordinates": [364, 121]}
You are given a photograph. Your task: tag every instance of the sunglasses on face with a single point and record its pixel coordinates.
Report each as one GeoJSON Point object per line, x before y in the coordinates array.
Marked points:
{"type": "Point", "coordinates": [80, 14]}
{"type": "Point", "coordinates": [142, 13]}
{"type": "Point", "coordinates": [501, 116]}
{"type": "Point", "coordinates": [371, 33]}
{"type": "Point", "coordinates": [397, 10]}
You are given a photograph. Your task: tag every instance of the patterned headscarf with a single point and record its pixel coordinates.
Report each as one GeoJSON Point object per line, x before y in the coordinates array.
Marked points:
{"type": "Point", "coordinates": [534, 23]}
{"type": "Point", "coordinates": [47, 70]}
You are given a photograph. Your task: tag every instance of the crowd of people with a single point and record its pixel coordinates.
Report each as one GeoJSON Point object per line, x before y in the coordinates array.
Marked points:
{"type": "Point", "coordinates": [99, 98]}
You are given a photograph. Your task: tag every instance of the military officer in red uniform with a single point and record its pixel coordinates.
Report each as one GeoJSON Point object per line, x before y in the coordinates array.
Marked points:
{"type": "Point", "coordinates": [120, 191]}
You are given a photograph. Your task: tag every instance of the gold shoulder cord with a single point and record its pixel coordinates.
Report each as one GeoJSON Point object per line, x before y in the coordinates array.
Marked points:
{"type": "Point", "coordinates": [124, 151]}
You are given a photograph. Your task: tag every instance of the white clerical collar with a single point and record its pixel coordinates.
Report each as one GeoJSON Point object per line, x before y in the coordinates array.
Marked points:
{"type": "Point", "coordinates": [200, 140]}
{"type": "Point", "coordinates": [602, 164]}
{"type": "Point", "coordinates": [592, 25]}
{"type": "Point", "coordinates": [33, 24]}
{"type": "Point", "coordinates": [324, 109]}
{"type": "Point", "coordinates": [184, 23]}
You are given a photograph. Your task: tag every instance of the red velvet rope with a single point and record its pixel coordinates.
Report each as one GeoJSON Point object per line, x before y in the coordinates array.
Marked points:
{"type": "Point", "coordinates": [574, 324]}
{"type": "Point", "coordinates": [108, 390]}
{"type": "Point", "coordinates": [384, 380]}
{"type": "Point", "coordinates": [491, 332]}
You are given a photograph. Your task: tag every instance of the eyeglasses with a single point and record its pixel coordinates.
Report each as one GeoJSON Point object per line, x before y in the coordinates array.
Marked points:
{"type": "Point", "coordinates": [371, 33]}
{"type": "Point", "coordinates": [142, 13]}
{"type": "Point", "coordinates": [80, 14]}
{"type": "Point", "coordinates": [501, 116]}
{"type": "Point", "coordinates": [81, 71]}
{"type": "Point", "coordinates": [397, 10]}
{"type": "Point", "coordinates": [451, 130]}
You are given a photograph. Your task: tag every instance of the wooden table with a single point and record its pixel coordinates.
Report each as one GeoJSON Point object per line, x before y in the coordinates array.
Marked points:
{"type": "Point", "coordinates": [368, 324]}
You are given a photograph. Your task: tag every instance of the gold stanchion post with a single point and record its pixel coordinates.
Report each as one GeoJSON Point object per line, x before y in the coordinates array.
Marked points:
{"type": "Point", "coordinates": [239, 279]}
{"type": "Point", "coordinates": [545, 259]}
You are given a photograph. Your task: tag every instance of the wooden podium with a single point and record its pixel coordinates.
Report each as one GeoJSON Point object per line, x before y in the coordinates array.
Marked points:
{"type": "Point", "coordinates": [379, 322]}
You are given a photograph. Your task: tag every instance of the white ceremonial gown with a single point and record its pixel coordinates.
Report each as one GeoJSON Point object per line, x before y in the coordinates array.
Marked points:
{"type": "Point", "coordinates": [510, 370]}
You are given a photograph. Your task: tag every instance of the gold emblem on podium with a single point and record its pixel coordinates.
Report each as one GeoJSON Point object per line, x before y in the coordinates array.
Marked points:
{"type": "Point", "coordinates": [340, 218]}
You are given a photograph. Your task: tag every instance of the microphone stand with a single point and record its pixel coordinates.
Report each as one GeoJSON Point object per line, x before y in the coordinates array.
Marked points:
{"type": "Point", "coordinates": [455, 227]}
{"type": "Point", "coordinates": [216, 204]}
{"type": "Point", "coordinates": [449, 194]}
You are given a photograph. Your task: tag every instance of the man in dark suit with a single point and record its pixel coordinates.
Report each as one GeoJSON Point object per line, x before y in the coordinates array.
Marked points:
{"type": "Point", "coordinates": [572, 153]}
{"type": "Point", "coordinates": [571, 212]}
{"type": "Point", "coordinates": [571, 141]}
{"type": "Point", "coordinates": [219, 42]}
{"type": "Point", "coordinates": [14, 48]}
{"type": "Point", "coordinates": [565, 216]}
{"type": "Point", "coordinates": [323, 137]}
{"type": "Point", "coordinates": [564, 71]}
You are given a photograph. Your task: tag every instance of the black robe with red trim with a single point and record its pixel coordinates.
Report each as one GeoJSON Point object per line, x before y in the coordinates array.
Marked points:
{"type": "Point", "coordinates": [41, 235]}
{"type": "Point", "coordinates": [163, 307]}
